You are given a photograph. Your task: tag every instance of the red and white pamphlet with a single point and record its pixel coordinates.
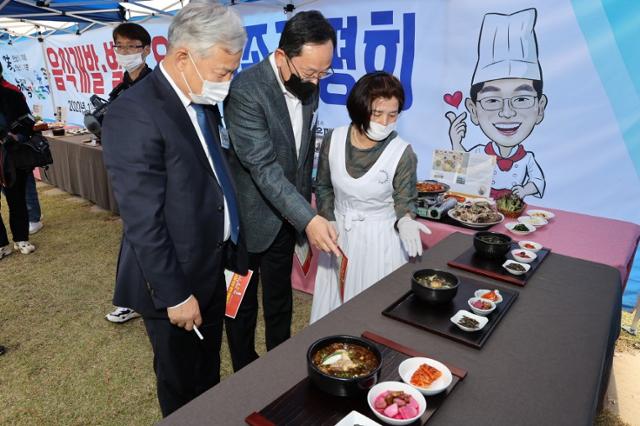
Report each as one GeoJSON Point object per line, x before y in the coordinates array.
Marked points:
{"type": "Point", "coordinates": [304, 254]}
{"type": "Point", "coordinates": [236, 287]}
{"type": "Point", "coordinates": [343, 261]}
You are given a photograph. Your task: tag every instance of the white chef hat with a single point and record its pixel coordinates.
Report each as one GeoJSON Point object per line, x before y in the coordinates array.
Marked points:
{"type": "Point", "coordinates": [507, 47]}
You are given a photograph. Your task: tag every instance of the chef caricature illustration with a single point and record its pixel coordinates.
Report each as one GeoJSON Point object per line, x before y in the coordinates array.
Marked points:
{"type": "Point", "coordinates": [506, 101]}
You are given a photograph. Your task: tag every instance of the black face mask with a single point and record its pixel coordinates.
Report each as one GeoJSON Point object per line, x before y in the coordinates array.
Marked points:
{"type": "Point", "coordinates": [302, 90]}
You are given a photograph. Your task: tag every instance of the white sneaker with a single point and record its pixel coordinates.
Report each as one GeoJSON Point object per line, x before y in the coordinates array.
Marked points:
{"type": "Point", "coordinates": [121, 315]}
{"type": "Point", "coordinates": [5, 251]}
{"type": "Point", "coordinates": [25, 247]}
{"type": "Point", "coordinates": [35, 227]}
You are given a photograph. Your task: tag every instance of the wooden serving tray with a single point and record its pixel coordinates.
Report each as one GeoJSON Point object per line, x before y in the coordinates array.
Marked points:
{"type": "Point", "coordinates": [436, 318]}
{"type": "Point", "coordinates": [304, 404]}
{"type": "Point", "coordinates": [470, 261]}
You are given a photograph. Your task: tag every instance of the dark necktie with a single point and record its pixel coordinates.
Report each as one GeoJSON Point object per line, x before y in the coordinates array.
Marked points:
{"type": "Point", "coordinates": [221, 170]}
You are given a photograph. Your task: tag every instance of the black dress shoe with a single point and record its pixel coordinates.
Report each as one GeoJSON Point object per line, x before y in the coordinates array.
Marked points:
{"type": "Point", "coordinates": [2, 350]}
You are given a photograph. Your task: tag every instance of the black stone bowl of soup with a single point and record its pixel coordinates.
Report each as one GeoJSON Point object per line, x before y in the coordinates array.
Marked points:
{"type": "Point", "coordinates": [344, 365]}
{"type": "Point", "coordinates": [434, 286]}
{"type": "Point", "coordinates": [491, 245]}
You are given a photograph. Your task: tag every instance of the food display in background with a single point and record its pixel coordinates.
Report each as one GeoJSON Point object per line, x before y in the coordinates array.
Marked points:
{"type": "Point", "coordinates": [343, 365]}
{"type": "Point", "coordinates": [516, 268]}
{"type": "Point", "coordinates": [536, 221]}
{"type": "Point", "coordinates": [477, 214]}
{"type": "Point", "coordinates": [430, 187]}
{"type": "Point", "coordinates": [434, 286]}
{"type": "Point", "coordinates": [510, 205]}
{"type": "Point", "coordinates": [520, 228]}
{"type": "Point", "coordinates": [546, 215]}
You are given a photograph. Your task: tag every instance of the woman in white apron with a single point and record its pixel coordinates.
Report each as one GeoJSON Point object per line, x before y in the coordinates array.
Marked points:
{"type": "Point", "coordinates": [367, 188]}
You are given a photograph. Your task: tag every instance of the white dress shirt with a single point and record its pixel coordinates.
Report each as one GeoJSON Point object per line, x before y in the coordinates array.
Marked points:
{"type": "Point", "coordinates": [194, 120]}
{"type": "Point", "coordinates": [294, 105]}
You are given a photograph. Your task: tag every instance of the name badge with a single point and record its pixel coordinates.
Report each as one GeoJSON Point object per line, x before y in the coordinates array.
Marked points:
{"type": "Point", "coordinates": [224, 137]}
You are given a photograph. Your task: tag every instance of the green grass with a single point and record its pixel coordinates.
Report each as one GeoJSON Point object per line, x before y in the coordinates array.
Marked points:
{"type": "Point", "coordinates": [65, 364]}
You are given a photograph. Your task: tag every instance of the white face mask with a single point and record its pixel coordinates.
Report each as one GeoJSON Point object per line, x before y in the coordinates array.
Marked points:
{"type": "Point", "coordinates": [213, 92]}
{"type": "Point", "coordinates": [129, 62]}
{"type": "Point", "coordinates": [377, 132]}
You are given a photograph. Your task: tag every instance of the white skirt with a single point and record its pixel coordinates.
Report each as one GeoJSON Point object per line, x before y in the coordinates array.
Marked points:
{"type": "Point", "coordinates": [374, 251]}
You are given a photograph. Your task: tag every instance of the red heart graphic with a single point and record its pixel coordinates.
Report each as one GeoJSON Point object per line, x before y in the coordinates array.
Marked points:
{"type": "Point", "coordinates": [453, 100]}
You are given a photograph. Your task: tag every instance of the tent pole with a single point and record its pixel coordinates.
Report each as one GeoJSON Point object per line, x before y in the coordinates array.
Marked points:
{"type": "Point", "coordinates": [46, 67]}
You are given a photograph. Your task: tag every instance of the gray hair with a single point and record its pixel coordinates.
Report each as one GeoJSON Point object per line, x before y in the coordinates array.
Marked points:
{"type": "Point", "coordinates": [200, 25]}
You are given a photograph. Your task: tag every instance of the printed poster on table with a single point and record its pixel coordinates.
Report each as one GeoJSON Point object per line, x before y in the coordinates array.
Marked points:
{"type": "Point", "coordinates": [464, 172]}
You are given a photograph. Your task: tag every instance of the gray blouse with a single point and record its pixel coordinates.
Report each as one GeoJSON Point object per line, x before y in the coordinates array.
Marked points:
{"type": "Point", "coordinates": [358, 162]}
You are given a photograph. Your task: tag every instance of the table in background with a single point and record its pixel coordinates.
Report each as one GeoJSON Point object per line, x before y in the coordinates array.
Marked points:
{"type": "Point", "coordinates": [597, 239]}
{"type": "Point", "coordinates": [546, 363]}
{"type": "Point", "coordinates": [78, 168]}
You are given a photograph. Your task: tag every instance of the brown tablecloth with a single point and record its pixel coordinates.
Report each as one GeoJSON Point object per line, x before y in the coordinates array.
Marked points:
{"type": "Point", "coordinates": [547, 362]}
{"type": "Point", "coordinates": [78, 168]}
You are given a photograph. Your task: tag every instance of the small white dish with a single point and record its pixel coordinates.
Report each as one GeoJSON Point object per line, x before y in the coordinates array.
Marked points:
{"type": "Point", "coordinates": [396, 386]}
{"type": "Point", "coordinates": [483, 291]}
{"type": "Point", "coordinates": [537, 221]}
{"type": "Point", "coordinates": [482, 321]}
{"type": "Point", "coordinates": [355, 418]}
{"type": "Point", "coordinates": [478, 311]}
{"type": "Point", "coordinates": [511, 225]}
{"type": "Point", "coordinates": [524, 256]}
{"type": "Point", "coordinates": [514, 272]}
{"type": "Point", "coordinates": [530, 245]}
{"type": "Point", "coordinates": [409, 366]}
{"type": "Point", "coordinates": [541, 213]}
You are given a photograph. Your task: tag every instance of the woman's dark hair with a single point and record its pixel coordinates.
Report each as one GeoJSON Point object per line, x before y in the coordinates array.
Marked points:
{"type": "Point", "coordinates": [370, 87]}
{"type": "Point", "coordinates": [305, 28]}
{"type": "Point", "coordinates": [133, 32]}
{"type": "Point", "coordinates": [476, 88]}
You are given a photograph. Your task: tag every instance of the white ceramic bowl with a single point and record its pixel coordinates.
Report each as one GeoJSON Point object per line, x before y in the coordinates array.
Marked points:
{"type": "Point", "coordinates": [511, 225]}
{"type": "Point", "coordinates": [483, 291]}
{"type": "Point", "coordinates": [536, 246]}
{"type": "Point", "coordinates": [409, 366]}
{"type": "Point", "coordinates": [536, 221]}
{"type": "Point", "coordinates": [482, 312]}
{"type": "Point", "coordinates": [396, 386]}
{"type": "Point", "coordinates": [541, 213]}
{"type": "Point", "coordinates": [482, 321]}
{"type": "Point", "coordinates": [511, 271]}
{"type": "Point", "coordinates": [517, 255]}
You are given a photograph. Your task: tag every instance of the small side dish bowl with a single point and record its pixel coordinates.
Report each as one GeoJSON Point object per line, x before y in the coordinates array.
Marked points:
{"type": "Point", "coordinates": [524, 256]}
{"type": "Point", "coordinates": [383, 387]}
{"type": "Point", "coordinates": [483, 292]}
{"type": "Point", "coordinates": [461, 314]}
{"type": "Point", "coordinates": [521, 269]}
{"type": "Point", "coordinates": [511, 226]}
{"type": "Point", "coordinates": [409, 366]}
{"type": "Point", "coordinates": [536, 221]}
{"type": "Point", "coordinates": [475, 303]}
{"type": "Point", "coordinates": [530, 245]}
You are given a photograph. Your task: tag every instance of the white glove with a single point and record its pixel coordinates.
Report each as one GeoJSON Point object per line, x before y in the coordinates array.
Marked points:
{"type": "Point", "coordinates": [409, 231]}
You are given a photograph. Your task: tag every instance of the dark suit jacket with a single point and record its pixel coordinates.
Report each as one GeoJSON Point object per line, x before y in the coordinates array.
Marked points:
{"type": "Point", "coordinates": [170, 201]}
{"type": "Point", "coordinates": [273, 185]}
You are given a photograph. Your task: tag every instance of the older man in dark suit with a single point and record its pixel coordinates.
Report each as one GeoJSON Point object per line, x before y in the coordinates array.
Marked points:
{"type": "Point", "coordinates": [162, 148]}
{"type": "Point", "coordinates": [270, 114]}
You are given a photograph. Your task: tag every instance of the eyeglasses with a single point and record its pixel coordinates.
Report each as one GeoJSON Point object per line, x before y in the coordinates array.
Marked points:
{"type": "Point", "coordinates": [310, 77]}
{"type": "Point", "coordinates": [516, 102]}
{"type": "Point", "coordinates": [121, 48]}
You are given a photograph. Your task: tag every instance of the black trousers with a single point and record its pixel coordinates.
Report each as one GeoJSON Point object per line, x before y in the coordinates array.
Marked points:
{"type": "Point", "coordinates": [273, 269]}
{"type": "Point", "coordinates": [18, 215]}
{"type": "Point", "coordinates": [186, 366]}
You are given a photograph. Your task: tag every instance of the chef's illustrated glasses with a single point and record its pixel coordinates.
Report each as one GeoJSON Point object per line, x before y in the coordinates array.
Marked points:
{"type": "Point", "coordinates": [309, 78]}
{"type": "Point", "coordinates": [495, 103]}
